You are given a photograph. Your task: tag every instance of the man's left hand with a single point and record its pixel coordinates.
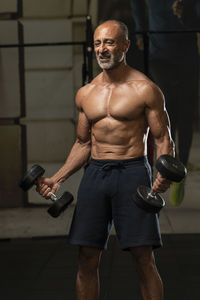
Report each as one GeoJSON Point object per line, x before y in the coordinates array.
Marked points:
{"type": "Point", "coordinates": [161, 184]}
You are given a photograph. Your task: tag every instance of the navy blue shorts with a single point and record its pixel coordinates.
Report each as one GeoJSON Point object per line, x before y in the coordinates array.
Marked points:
{"type": "Point", "coordinates": [105, 197]}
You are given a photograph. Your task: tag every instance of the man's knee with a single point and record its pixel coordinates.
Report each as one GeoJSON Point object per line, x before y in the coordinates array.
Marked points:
{"type": "Point", "coordinates": [89, 258]}
{"type": "Point", "coordinates": [143, 256]}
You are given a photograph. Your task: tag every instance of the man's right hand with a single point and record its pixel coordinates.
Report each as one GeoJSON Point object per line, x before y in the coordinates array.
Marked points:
{"type": "Point", "coordinates": [46, 186]}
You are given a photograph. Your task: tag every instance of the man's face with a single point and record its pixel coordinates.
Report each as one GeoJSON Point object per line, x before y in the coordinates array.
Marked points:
{"type": "Point", "coordinates": [110, 45]}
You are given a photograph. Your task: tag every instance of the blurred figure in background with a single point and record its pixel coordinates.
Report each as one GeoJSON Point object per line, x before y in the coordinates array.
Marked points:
{"type": "Point", "coordinates": [173, 65]}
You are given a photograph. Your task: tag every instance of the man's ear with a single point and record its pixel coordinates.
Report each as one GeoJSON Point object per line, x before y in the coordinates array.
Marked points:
{"type": "Point", "coordinates": [127, 45]}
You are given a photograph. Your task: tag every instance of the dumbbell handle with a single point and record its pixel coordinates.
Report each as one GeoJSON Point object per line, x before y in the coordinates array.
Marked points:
{"type": "Point", "coordinates": [152, 193]}
{"type": "Point", "coordinates": [53, 197]}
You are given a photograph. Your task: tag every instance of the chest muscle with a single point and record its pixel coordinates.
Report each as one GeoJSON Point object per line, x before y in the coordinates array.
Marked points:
{"type": "Point", "coordinates": [116, 103]}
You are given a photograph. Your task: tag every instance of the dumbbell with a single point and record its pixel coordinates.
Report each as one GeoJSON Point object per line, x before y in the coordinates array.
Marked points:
{"type": "Point", "coordinates": [59, 205]}
{"type": "Point", "coordinates": [171, 169]}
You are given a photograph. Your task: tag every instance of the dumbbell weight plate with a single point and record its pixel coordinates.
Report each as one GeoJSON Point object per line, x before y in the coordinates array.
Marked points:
{"type": "Point", "coordinates": [171, 168]}
{"type": "Point", "coordinates": [30, 177]}
{"type": "Point", "coordinates": [60, 204]}
{"type": "Point", "coordinates": [150, 204]}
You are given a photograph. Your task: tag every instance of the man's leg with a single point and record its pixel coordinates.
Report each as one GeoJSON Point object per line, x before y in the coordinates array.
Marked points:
{"type": "Point", "coordinates": [150, 281]}
{"type": "Point", "coordinates": [87, 283]}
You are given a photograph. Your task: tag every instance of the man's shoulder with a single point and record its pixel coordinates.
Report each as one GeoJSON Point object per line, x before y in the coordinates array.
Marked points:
{"type": "Point", "coordinates": [89, 86]}
{"type": "Point", "coordinates": [84, 92]}
{"type": "Point", "coordinates": [145, 87]}
{"type": "Point", "coordinates": [140, 80]}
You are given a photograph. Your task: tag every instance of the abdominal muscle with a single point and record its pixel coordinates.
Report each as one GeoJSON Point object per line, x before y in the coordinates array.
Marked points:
{"type": "Point", "coordinates": [113, 139]}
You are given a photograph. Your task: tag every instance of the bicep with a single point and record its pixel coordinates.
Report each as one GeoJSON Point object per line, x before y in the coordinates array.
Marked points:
{"type": "Point", "coordinates": [157, 116]}
{"type": "Point", "coordinates": [83, 128]}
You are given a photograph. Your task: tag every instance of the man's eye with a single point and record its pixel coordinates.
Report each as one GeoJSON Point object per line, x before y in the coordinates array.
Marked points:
{"type": "Point", "coordinates": [96, 44]}
{"type": "Point", "coordinates": [110, 42]}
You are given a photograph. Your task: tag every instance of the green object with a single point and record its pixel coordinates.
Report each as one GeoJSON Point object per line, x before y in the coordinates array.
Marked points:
{"type": "Point", "coordinates": [177, 194]}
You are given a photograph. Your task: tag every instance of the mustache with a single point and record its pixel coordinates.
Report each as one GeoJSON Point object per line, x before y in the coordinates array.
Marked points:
{"type": "Point", "coordinates": [104, 55]}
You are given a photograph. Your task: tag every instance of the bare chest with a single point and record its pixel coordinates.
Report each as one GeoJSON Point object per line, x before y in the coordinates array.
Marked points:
{"type": "Point", "coordinates": [118, 103]}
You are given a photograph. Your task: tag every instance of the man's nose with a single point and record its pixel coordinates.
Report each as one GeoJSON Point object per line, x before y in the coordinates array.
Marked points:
{"type": "Point", "coordinates": [102, 48]}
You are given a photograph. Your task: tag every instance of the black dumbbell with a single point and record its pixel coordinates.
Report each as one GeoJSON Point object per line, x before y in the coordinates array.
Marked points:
{"type": "Point", "coordinates": [59, 205]}
{"type": "Point", "coordinates": [171, 169]}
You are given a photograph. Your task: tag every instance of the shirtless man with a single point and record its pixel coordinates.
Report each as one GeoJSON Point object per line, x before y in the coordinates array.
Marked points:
{"type": "Point", "coordinates": [116, 111]}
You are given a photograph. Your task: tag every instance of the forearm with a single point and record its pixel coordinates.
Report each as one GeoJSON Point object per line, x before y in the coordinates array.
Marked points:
{"type": "Point", "coordinates": [164, 145]}
{"type": "Point", "coordinates": [79, 155]}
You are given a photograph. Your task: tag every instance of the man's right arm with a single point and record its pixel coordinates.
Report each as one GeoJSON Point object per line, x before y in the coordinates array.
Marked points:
{"type": "Point", "coordinates": [78, 156]}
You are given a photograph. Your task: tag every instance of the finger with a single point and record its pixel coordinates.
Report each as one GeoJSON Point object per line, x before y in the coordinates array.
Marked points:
{"type": "Point", "coordinates": [39, 187]}
{"type": "Point", "coordinates": [164, 182]}
{"type": "Point", "coordinates": [40, 181]}
{"type": "Point", "coordinates": [160, 187]}
{"type": "Point", "coordinates": [47, 193]}
{"type": "Point", "coordinates": [161, 179]}
{"type": "Point", "coordinates": [55, 188]}
{"type": "Point", "coordinates": [163, 189]}
{"type": "Point", "coordinates": [43, 189]}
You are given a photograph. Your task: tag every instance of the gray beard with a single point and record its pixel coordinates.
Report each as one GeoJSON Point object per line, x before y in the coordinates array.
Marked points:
{"type": "Point", "coordinates": [111, 64]}
{"type": "Point", "coordinates": [107, 65]}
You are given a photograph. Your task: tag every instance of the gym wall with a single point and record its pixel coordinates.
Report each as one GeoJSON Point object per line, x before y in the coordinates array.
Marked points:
{"type": "Point", "coordinates": [37, 89]}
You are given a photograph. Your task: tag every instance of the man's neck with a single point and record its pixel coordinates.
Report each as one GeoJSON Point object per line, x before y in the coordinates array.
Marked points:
{"type": "Point", "coordinates": [115, 75]}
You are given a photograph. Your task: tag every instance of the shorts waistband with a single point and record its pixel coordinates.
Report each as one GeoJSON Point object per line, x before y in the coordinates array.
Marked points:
{"type": "Point", "coordinates": [118, 163]}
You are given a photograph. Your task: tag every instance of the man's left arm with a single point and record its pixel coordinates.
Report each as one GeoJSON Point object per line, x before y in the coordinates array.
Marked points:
{"type": "Point", "coordinates": [159, 124]}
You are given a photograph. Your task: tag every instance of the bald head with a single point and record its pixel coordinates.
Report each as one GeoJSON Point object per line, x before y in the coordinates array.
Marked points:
{"type": "Point", "coordinates": [122, 28]}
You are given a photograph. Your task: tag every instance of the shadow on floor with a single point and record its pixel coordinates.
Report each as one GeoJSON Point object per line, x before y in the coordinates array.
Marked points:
{"type": "Point", "coordinates": [45, 269]}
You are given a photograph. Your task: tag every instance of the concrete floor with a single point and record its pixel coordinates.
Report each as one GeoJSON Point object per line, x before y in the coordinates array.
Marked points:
{"type": "Point", "coordinates": [45, 269]}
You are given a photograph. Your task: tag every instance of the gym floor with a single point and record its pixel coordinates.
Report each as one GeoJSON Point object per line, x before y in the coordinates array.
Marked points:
{"type": "Point", "coordinates": [46, 269]}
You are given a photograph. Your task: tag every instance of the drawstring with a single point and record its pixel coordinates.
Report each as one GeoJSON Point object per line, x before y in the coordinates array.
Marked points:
{"type": "Point", "coordinates": [111, 165]}
{"type": "Point", "coordinates": [108, 166]}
